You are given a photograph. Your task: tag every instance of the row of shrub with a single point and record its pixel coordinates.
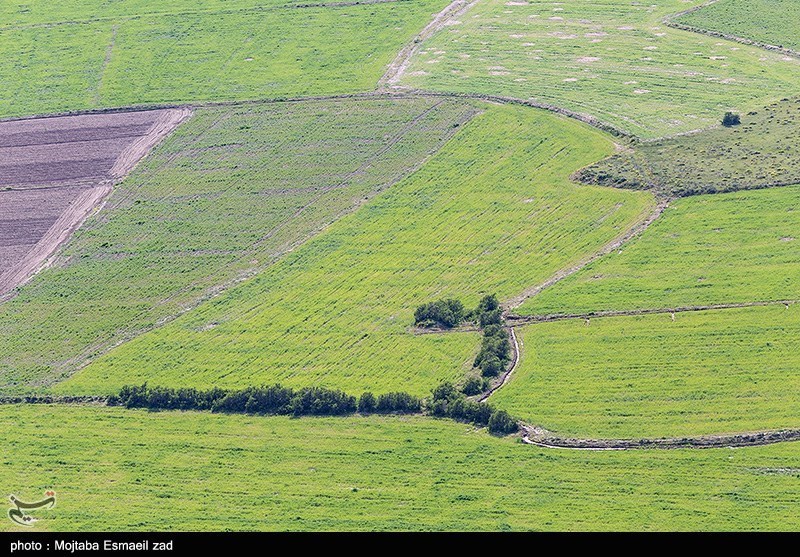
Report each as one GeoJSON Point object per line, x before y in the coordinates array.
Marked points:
{"type": "Point", "coordinates": [445, 314]}
{"type": "Point", "coordinates": [314, 401]}
{"type": "Point", "coordinates": [274, 399]}
{"type": "Point", "coordinates": [495, 352]}
{"type": "Point", "coordinates": [449, 402]}
{"type": "Point", "coordinates": [448, 313]}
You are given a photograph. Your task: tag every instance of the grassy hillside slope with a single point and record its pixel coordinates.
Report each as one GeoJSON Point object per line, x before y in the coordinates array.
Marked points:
{"type": "Point", "coordinates": [759, 153]}
{"type": "Point", "coordinates": [130, 470]}
{"type": "Point", "coordinates": [231, 191]}
{"type": "Point", "coordinates": [772, 22]}
{"type": "Point", "coordinates": [728, 248]}
{"type": "Point", "coordinates": [492, 211]}
{"type": "Point", "coordinates": [56, 57]}
{"type": "Point", "coordinates": [709, 372]}
{"type": "Point", "coordinates": [612, 59]}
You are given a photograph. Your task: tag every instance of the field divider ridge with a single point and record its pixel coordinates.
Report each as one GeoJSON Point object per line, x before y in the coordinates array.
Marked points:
{"type": "Point", "coordinates": [518, 320]}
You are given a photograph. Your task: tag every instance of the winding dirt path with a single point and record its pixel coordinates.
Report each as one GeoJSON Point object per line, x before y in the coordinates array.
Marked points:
{"type": "Point", "coordinates": [615, 244]}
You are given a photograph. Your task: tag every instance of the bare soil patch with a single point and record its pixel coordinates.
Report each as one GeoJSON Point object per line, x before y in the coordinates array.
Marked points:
{"type": "Point", "coordinates": [54, 172]}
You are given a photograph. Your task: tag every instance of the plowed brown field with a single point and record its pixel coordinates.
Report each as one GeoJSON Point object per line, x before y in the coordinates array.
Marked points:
{"type": "Point", "coordinates": [55, 171]}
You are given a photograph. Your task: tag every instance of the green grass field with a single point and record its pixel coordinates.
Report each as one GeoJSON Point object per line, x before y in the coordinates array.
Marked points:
{"type": "Point", "coordinates": [611, 59]}
{"type": "Point", "coordinates": [727, 248]}
{"type": "Point", "coordinates": [758, 153]}
{"type": "Point", "coordinates": [772, 22]}
{"type": "Point", "coordinates": [133, 470]}
{"type": "Point", "coordinates": [225, 196]}
{"type": "Point", "coordinates": [492, 211]}
{"type": "Point", "coordinates": [711, 372]}
{"type": "Point", "coordinates": [97, 54]}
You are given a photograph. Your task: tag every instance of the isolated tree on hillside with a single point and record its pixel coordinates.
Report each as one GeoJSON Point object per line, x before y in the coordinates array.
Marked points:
{"type": "Point", "coordinates": [731, 119]}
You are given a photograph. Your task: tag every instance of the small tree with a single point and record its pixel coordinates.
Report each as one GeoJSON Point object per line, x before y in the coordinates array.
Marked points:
{"type": "Point", "coordinates": [445, 391]}
{"type": "Point", "coordinates": [491, 366]}
{"type": "Point", "coordinates": [367, 403]}
{"type": "Point", "coordinates": [488, 303]}
{"type": "Point", "coordinates": [501, 423]}
{"type": "Point", "coordinates": [442, 313]}
{"type": "Point", "coordinates": [473, 386]}
{"type": "Point", "coordinates": [731, 119]}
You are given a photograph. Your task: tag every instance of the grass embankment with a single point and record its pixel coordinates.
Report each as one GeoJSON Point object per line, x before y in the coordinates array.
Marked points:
{"type": "Point", "coordinates": [717, 249]}
{"type": "Point", "coordinates": [614, 60]}
{"type": "Point", "coordinates": [771, 22]}
{"type": "Point", "coordinates": [492, 212]}
{"type": "Point", "coordinates": [759, 153]}
{"type": "Point", "coordinates": [117, 469]}
{"type": "Point", "coordinates": [224, 196]}
{"type": "Point", "coordinates": [711, 372]}
{"type": "Point", "coordinates": [56, 57]}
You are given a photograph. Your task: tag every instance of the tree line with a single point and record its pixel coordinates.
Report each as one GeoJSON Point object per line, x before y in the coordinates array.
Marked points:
{"type": "Point", "coordinates": [449, 402]}
{"type": "Point", "coordinates": [446, 401]}
{"type": "Point", "coordinates": [273, 399]}
{"type": "Point", "coordinates": [448, 313]}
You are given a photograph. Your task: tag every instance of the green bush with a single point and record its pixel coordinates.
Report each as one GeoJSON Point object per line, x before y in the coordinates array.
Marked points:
{"type": "Point", "coordinates": [367, 403]}
{"type": "Point", "coordinates": [443, 313]}
{"type": "Point", "coordinates": [501, 423]}
{"type": "Point", "coordinates": [731, 119]}
{"type": "Point", "coordinates": [474, 386]}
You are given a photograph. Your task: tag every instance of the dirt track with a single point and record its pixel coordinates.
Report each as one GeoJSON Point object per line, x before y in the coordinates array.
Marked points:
{"type": "Point", "coordinates": [541, 438]}
{"type": "Point", "coordinates": [517, 320]}
{"type": "Point", "coordinates": [399, 65]}
{"type": "Point", "coordinates": [57, 171]}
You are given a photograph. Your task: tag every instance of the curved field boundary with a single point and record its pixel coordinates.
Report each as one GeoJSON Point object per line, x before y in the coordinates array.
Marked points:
{"type": "Point", "coordinates": [534, 436]}
{"type": "Point", "coordinates": [615, 244]}
{"type": "Point", "coordinates": [406, 93]}
{"type": "Point", "coordinates": [669, 21]}
{"type": "Point", "coordinates": [517, 320]}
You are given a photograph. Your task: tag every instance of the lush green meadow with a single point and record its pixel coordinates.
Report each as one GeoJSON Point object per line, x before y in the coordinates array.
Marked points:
{"type": "Point", "coordinates": [723, 371]}
{"type": "Point", "coordinates": [760, 152]}
{"type": "Point", "coordinates": [614, 60]}
{"type": "Point", "coordinates": [772, 22]}
{"type": "Point", "coordinates": [132, 470]}
{"type": "Point", "coordinates": [727, 248]}
{"type": "Point", "coordinates": [493, 211]}
{"type": "Point", "coordinates": [57, 56]}
{"type": "Point", "coordinates": [226, 195]}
